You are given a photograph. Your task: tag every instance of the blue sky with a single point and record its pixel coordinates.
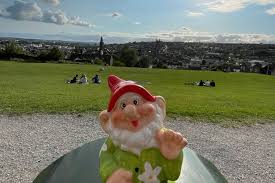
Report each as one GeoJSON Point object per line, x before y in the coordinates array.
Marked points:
{"type": "Point", "coordinates": [251, 21]}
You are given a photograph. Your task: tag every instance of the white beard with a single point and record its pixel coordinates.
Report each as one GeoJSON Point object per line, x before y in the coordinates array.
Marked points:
{"type": "Point", "coordinates": [135, 142]}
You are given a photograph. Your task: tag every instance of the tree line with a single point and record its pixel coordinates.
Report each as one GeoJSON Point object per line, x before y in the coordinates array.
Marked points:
{"type": "Point", "coordinates": [127, 57]}
{"type": "Point", "coordinates": [14, 51]}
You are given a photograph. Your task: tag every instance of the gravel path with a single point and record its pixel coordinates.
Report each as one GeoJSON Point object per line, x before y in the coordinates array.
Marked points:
{"type": "Point", "coordinates": [28, 144]}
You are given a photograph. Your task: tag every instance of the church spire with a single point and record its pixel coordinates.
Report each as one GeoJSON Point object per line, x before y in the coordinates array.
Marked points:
{"type": "Point", "coordinates": [101, 46]}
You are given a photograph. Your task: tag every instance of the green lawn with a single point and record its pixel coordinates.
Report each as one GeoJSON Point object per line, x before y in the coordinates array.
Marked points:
{"type": "Point", "coordinates": [41, 88]}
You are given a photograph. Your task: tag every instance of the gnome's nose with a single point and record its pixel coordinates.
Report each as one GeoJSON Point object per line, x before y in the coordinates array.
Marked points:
{"type": "Point", "coordinates": [131, 112]}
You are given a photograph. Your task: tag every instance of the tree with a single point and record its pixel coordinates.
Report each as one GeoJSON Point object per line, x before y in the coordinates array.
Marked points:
{"type": "Point", "coordinates": [43, 56]}
{"type": "Point", "coordinates": [263, 54]}
{"type": "Point", "coordinates": [128, 56]}
{"type": "Point", "coordinates": [76, 53]}
{"type": "Point", "coordinates": [12, 50]}
{"type": "Point", "coordinates": [55, 54]}
{"type": "Point", "coordinates": [1, 53]}
{"type": "Point", "coordinates": [144, 62]}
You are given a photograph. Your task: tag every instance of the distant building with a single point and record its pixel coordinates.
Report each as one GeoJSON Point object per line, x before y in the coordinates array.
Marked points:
{"type": "Point", "coordinates": [195, 63]}
{"type": "Point", "coordinates": [245, 67]}
{"type": "Point", "coordinates": [259, 66]}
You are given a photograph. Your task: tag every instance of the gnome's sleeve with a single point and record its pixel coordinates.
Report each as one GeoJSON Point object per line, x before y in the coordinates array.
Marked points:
{"type": "Point", "coordinates": [107, 162]}
{"type": "Point", "coordinates": [172, 168]}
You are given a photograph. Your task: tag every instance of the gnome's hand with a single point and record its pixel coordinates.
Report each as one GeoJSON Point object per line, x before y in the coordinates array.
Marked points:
{"type": "Point", "coordinates": [120, 176]}
{"type": "Point", "coordinates": [171, 143]}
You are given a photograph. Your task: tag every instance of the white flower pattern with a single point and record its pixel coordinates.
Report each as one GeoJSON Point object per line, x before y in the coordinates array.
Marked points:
{"type": "Point", "coordinates": [150, 175]}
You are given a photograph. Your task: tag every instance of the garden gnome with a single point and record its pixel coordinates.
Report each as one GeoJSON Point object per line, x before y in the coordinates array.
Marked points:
{"type": "Point", "coordinates": [138, 148]}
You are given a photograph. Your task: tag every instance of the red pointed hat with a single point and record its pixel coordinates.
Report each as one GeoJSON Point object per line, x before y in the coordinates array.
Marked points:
{"type": "Point", "coordinates": [119, 87]}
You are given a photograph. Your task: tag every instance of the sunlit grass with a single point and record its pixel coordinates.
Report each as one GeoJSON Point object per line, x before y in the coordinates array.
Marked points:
{"type": "Point", "coordinates": [41, 88]}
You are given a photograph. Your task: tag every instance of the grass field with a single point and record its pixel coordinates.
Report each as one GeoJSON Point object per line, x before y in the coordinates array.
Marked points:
{"type": "Point", "coordinates": [41, 88]}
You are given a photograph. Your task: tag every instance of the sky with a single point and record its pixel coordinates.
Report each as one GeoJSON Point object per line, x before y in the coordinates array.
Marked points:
{"type": "Point", "coordinates": [226, 21]}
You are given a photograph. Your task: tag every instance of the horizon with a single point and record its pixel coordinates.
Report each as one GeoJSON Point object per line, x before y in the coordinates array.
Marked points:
{"type": "Point", "coordinates": [206, 21]}
{"type": "Point", "coordinates": [109, 43]}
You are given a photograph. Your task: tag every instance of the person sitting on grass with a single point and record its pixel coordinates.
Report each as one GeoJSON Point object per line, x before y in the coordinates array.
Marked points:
{"type": "Point", "coordinates": [96, 79]}
{"type": "Point", "coordinates": [212, 83]}
{"type": "Point", "coordinates": [201, 83]}
{"type": "Point", "coordinates": [207, 83]}
{"type": "Point", "coordinates": [74, 80]}
{"type": "Point", "coordinates": [83, 79]}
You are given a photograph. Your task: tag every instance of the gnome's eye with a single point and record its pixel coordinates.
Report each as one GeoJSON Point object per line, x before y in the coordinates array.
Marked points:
{"type": "Point", "coordinates": [122, 105]}
{"type": "Point", "coordinates": [135, 102]}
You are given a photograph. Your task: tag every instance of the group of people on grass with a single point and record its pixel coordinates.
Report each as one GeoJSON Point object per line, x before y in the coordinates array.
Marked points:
{"type": "Point", "coordinates": [84, 80]}
{"type": "Point", "coordinates": [206, 83]}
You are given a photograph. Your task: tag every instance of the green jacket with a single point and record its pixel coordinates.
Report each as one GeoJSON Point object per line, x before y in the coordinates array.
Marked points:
{"type": "Point", "coordinates": [113, 158]}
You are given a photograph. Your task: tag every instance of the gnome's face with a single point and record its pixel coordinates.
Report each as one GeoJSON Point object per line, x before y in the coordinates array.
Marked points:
{"type": "Point", "coordinates": [132, 112]}
{"type": "Point", "coordinates": [133, 122]}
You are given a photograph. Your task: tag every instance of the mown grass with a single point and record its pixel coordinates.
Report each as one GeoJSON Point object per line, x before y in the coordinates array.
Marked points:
{"type": "Point", "coordinates": [41, 88]}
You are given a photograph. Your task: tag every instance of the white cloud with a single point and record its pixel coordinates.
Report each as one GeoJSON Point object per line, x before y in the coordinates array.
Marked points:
{"type": "Point", "coordinates": [187, 35]}
{"type": "Point", "coordinates": [271, 11]}
{"type": "Point", "coordinates": [57, 17]}
{"type": "Point", "coordinates": [30, 11]}
{"type": "Point", "coordinates": [193, 36]}
{"type": "Point", "coordinates": [21, 10]}
{"type": "Point", "coordinates": [180, 35]}
{"type": "Point", "coordinates": [137, 23]}
{"type": "Point", "coordinates": [225, 6]}
{"type": "Point", "coordinates": [264, 2]}
{"type": "Point", "coordinates": [52, 2]}
{"type": "Point", "coordinates": [194, 14]}
{"type": "Point", "coordinates": [77, 21]}
{"type": "Point", "coordinates": [61, 18]}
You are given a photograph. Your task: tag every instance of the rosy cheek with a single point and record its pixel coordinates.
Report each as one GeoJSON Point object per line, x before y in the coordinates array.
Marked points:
{"type": "Point", "coordinates": [147, 111]}
{"type": "Point", "coordinates": [118, 119]}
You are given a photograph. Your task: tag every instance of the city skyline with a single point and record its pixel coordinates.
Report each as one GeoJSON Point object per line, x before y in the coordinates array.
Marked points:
{"type": "Point", "coordinates": [231, 21]}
